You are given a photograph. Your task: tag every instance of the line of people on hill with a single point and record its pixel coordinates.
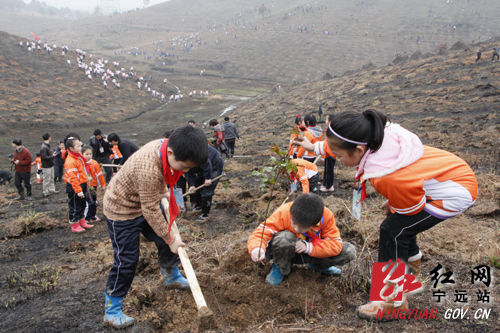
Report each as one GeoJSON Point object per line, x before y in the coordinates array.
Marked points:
{"type": "Point", "coordinates": [108, 72]}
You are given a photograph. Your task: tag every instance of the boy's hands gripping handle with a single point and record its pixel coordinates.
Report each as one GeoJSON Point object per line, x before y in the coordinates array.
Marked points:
{"type": "Point", "coordinates": [188, 268]}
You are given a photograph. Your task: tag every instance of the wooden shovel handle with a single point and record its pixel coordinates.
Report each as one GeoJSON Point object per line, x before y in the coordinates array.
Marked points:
{"type": "Point", "coordinates": [203, 185]}
{"type": "Point", "coordinates": [188, 269]}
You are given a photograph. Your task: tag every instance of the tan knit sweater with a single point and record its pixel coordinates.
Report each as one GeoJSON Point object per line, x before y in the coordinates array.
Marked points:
{"type": "Point", "coordinates": [137, 190]}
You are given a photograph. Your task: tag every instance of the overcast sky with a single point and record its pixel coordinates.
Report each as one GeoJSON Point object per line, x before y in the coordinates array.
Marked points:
{"type": "Point", "coordinates": [89, 5]}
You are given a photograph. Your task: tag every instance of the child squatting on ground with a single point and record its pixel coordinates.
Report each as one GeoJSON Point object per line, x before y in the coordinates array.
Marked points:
{"type": "Point", "coordinates": [423, 185]}
{"type": "Point", "coordinates": [96, 178]}
{"type": "Point", "coordinates": [302, 232]}
{"type": "Point", "coordinates": [132, 206]}
{"type": "Point", "coordinates": [75, 177]}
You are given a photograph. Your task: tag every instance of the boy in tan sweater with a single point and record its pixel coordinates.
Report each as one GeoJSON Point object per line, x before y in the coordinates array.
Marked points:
{"type": "Point", "coordinates": [132, 206]}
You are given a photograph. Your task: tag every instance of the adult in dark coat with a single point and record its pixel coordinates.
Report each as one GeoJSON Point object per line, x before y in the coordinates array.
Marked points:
{"type": "Point", "coordinates": [195, 177]}
{"type": "Point", "coordinates": [126, 147]}
{"type": "Point", "coordinates": [101, 151]}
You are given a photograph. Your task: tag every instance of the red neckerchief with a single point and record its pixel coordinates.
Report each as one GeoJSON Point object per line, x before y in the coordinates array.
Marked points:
{"type": "Point", "coordinates": [363, 187]}
{"type": "Point", "coordinates": [292, 176]}
{"type": "Point", "coordinates": [315, 237]}
{"type": "Point", "coordinates": [82, 159]}
{"type": "Point", "coordinates": [171, 179]}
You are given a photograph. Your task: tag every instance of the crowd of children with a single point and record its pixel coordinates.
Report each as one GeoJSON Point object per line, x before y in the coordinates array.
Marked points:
{"type": "Point", "coordinates": [423, 186]}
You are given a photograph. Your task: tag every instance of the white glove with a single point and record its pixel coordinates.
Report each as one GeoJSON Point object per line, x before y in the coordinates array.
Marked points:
{"type": "Point", "coordinates": [258, 254]}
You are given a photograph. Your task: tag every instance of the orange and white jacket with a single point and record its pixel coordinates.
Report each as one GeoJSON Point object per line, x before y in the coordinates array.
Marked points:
{"type": "Point", "coordinates": [305, 171]}
{"type": "Point", "coordinates": [414, 177]}
{"type": "Point", "coordinates": [96, 177]}
{"type": "Point", "coordinates": [328, 245]}
{"type": "Point", "coordinates": [321, 148]}
{"type": "Point", "coordinates": [313, 134]}
{"type": "Point", "coordinates": [74, 173]}
{"type": "Point", "coordinates": [292, 149]}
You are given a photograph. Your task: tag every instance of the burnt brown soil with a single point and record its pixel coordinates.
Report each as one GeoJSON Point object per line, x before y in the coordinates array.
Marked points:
{"type": "Point", "coordinates": [54, 280]}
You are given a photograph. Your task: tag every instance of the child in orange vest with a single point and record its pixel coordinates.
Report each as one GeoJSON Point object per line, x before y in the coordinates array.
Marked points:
{"type": "Point", "coordinates": [75, 177]}
{"type": "Point", "coordinates": [95, 179]}
{"type": "Point", "coordinates": [307, 175]}
{"type": "Point", "coordinates": [38, 162]}
{"type": "Point", "coordinates": [301, 128]}
{"type": "Point", "coordinates": [423, 185]}
{"type": "Point", "coordinates": [314, 133]}
{"type": "Point", "coordinates": [302, 232]}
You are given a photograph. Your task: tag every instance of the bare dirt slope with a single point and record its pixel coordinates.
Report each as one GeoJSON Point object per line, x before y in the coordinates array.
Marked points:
{"type": "Point", "coordinates": [449, 101]}
{"type": "Point", "coordinates": [38, 88]}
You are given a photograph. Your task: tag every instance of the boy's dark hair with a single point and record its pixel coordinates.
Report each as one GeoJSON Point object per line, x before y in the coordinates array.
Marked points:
{"type": "Point", "coordinates": [167, 134]}
{"type": "Point", "coordinates": [307, 209]}
{"type": "Point", "coordinates": [189, 144]}
{"type": "Point", "coordinates": [298, 119]}
{"type": "Point", "coordinates": [191, 121]}
{"type": "Point", "coordinates": [113, 137]}
{"type": "Point", "coordinates": [362, 127]}
{"type": "Point", "coordinates": [38, 154]}
{"type": "Point", "coordinates": [226, 118]}
{"type": "Point", "coordinates": [87, 147]}
{"type": "Point", "coordinates": [60, 141]}
{"type": "Point", "coordinates": [310, 120]}
{"type": "Point", "coordinates": [17, 142]}
{"type": "Point", "coordinates": [46, 136]}
{"type": "Point", "coordinates": [70, 142]}
{"type": "Point", "coordinates": [72, 135]}
{"type": "Point", "coordinates": [97, 132]}
{"type": "Point", "coordinates": [213, 122]}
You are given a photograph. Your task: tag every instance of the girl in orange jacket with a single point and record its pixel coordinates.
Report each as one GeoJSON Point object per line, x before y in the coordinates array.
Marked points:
{"type": "Point", "coordinates": [96, 178]}
{"type": "Point", "coordinates": [75, 177]}
{"type": "Point", "coordinates": [423, 185]}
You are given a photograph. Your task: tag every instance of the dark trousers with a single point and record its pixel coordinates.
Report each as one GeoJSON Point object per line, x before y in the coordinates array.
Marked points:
{"type": "Point", "coordinates": [398, 235]}
{"type": "Point", "coordinates": [91, 208]}
{"type": "Point", "coordinates": [107, 170]}
{"type": "Point", "coordinates": [23, 177]}
{"type": "Point", "coordinates": [329, 175]}
{"type": "Point", "coordinates": [230, 146]}
{"type": "Point", "coordinates": [58, 172]}
{"type": "Point", "coordinates": [495, 55]}
{"type": "Point", "coordinates": [76, 204]}
{"type": "Point", "coordinates": [203, 197]}
{"type": "Point", "coordinates": [309, 159]}
{"type": "Point", "coordinates": [125, 237]}
{"type": "Point", "coordinates": [281, 249]}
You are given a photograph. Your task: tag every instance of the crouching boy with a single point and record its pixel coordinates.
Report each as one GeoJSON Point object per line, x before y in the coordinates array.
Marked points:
{"type": "Point", "coordinates": [132, 206]}
{"type": "Point", "coordinates": [302, 232]}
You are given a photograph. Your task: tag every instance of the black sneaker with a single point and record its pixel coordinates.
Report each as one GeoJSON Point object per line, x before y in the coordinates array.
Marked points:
{"type": "Point", "coordinates": [197, 209]}
{"type": "Point", "coordinates": [19, 197]}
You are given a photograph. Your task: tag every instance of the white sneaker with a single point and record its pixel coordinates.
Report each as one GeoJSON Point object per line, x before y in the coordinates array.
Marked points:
{"type": "Point", "coordinates": [331, 189]}
{"type": "Point", "coordinates": [323, 188]}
